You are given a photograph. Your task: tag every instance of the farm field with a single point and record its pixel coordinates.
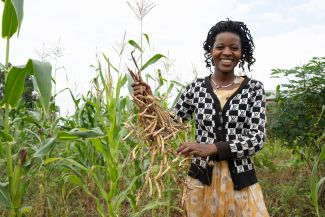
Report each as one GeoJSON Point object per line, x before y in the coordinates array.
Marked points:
{"type": "Point", "coordinates": [103, 159]}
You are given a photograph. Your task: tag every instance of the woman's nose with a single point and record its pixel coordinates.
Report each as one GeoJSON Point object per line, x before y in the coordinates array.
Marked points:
{"type": "Point", "coordinates": [227, 51]}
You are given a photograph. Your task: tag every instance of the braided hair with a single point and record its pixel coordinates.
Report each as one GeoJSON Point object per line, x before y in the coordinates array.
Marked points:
{"type": "Point", "coordinates": [238, 28]}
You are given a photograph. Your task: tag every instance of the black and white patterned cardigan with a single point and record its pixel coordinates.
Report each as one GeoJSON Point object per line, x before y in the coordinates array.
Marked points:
{"type": "Point", "coordinates": [238, 130]}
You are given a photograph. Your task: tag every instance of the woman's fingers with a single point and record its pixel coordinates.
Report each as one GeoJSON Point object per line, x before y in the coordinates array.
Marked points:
{"type": "Point", "coordinates": [180, 148]}
{"type": "Point", "coordinates": [185, 148]}
{"type": "Point", "coordinates": [186, 151]}
{"type": "Point", "coordinates": [191, 148]}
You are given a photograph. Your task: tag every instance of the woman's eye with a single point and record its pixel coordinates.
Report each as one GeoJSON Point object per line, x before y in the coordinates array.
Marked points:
{"type": "Point", "coordinates": [234, 48]}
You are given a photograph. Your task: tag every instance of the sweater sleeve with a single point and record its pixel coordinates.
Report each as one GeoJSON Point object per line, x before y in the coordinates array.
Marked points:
{"type": "Point", "coordinates": [253, 138]}
{"type": "Point", "coordinates": [184, 107]}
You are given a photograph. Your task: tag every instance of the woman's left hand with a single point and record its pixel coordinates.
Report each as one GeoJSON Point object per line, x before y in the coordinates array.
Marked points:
{"type": "Point", "coordinates": [200, 150]}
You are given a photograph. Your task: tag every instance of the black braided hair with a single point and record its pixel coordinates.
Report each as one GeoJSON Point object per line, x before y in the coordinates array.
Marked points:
{"type": "Point", "coordinates": [238, 28]}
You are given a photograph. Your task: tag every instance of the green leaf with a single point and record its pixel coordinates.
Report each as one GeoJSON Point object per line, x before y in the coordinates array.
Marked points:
{"type": "Point", "coordinates": [109, 62]}
{"type": "Point", "coordinates": [135, 45]}
{"type": "Point", "coordinates": [17, 187]}
{"type": "Point", "coordinates": [98, 145]}
{"type": "Point", "coordinates": [313, 185]}
{"type": "Point", "coordinates": [9, 20]}
{"type": "Point", "coordinates": [43, 81]}
{"type": "Point", "coordinates": [62, 135]}
{"type": "Point", "coordinates": [19, 9]}
{"type": "Point", "coordinates": [150, 206]}
{"type": "Point", "coordinates": [170, 88]}
{"type": "Point", "coordinates": [317, 187]}
{"type": "Point", "coordinates": [50, 160]}
{"type": "Point", "coordinates": [120, 197]}
{"type": "Point", "coordinates": [73, 179]}
{"type": "Point", "coordinates": [80, 132]}
{"type": "Point", "coordinates": [15, 82]}
{"type": "Point", "coordinates": [147, 38]}
{"type": "Point", "coordinates": [14, 86]}
{"type": "Point", "coordinates": [70, 162]}
{"type": "Point", "coordinates": [5, 136]}
{"type": "Point", "coordinates": [322, 154]}
{"type": "Point", "coordinates": [5, 195]}
{"type": "Point", "coordinates": [46, 148]}
{"type": "Point", "coordinates": [12, 17]}
{"type": "Point", "coordinates": [152, 60]}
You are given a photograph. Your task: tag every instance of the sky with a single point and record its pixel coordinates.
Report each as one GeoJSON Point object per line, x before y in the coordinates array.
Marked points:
{"type": "Point", "coordinates": [286, 34]}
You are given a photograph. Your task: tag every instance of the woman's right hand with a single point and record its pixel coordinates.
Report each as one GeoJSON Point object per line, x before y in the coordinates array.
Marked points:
{"type": "Point", "coordinates": [141, 88]}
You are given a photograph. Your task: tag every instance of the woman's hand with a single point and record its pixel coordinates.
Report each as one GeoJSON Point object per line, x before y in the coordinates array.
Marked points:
{"type": "Point", "coordinates": [140, 88]}
{"type": "Point", "coordinates": [200, 150]}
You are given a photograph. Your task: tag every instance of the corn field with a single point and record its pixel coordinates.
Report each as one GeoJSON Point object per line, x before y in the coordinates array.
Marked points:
{"type": "Point", "coordinates": [114, 156]}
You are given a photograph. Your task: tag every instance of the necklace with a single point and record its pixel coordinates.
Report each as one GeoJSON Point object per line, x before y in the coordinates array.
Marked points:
{"type": "Point", "coordinates": [235, 81]}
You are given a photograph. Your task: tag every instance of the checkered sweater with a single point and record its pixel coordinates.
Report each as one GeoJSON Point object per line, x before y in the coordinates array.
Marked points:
{"type": "Point", "coordinates": [238, 130]}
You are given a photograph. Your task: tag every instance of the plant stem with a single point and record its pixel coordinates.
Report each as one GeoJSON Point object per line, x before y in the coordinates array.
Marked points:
{"type": "Point", "coordinates": [6, 120]}
{"type": "Point", "coordinates": [1, 149]}
{"type": "Point", "coordinates": [7, 58]}
{"type": "Point", "coordinates": [6, 126]}
{"type": "Point", "coordinates": [8, 145]}
{"type": "Point", "coordinates": [141, 24]}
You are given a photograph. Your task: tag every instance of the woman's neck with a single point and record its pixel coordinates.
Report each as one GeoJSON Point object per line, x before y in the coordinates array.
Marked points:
{"type": "Point", "coordinates": [223, 77]}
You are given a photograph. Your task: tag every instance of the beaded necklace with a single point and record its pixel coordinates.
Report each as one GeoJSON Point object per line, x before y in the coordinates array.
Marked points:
{"type": "Point", "coordinates": [235, 81]}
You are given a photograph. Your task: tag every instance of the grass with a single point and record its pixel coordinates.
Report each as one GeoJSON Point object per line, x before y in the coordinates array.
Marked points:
{"type": "Point", "coordinates": [285, 182]}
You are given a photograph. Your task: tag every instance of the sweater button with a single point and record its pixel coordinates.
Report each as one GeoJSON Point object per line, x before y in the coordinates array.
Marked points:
{"type": "Point", "coordinates": [220, 113]}
{"type": "Point", "coordinates": [219, 128]}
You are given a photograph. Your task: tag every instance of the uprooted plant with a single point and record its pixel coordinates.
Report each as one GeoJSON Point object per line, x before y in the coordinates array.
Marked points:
{"type": "Point", "coordinates": [157, 128]}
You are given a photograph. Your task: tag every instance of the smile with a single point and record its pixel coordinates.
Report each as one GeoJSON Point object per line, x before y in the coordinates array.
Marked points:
{"type": "Point", "coordinates": [226, 60]}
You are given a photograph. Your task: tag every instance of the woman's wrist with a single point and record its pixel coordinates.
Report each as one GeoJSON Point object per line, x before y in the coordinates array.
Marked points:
{"type": "Point", "coordinates": [213, 149]}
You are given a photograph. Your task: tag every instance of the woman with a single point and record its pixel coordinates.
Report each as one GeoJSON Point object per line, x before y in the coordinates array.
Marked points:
{"type": "Point", "coordinates": [229, 113]}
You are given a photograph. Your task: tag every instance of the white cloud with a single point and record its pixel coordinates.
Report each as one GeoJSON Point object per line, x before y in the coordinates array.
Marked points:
{"type": "Point", "coordinates": [315, 8]}
{"type": "Point", "coordinates": [287, 50]}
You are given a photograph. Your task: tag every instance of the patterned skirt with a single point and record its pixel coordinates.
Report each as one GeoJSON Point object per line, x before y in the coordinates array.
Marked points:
{"type": "Point", "coordinates": [220, 199]}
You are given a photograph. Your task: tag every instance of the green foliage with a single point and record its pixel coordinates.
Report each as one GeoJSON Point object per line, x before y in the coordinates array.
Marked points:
{"type": "Point", "coordinates": [295, 115]}
{"type": "Point", "coordinates": [13, 192]}
{"type": "Point", "coordinates": [2, 80]}
{"type": "Point", "coordinates": [4, 195]}
{"type": "Point", "coordinates": [16, 78]}
{"type": "Point", "coordinates": [12, 17]}
{"type": "Point", "coordinates": [42, 81]}
{"type": "Point", "coordinates": [5, 136]}
{"type": "Point", "coordinates": [45, 148]}
{"type": "Point", "coordinates": [15, 85]}
{"type": "Point", "coordinates": [286, 189]}
{"type": "Point", "coordinates": [89, 164]}
{"type": "Point", "coordinates": [135, 45]}
{"type": "Point", "coordinates": [152, 60]}
{"type": "Point", "coordinates": [297, 118]}
{"type": "Point", "coordinates": [317, 180]}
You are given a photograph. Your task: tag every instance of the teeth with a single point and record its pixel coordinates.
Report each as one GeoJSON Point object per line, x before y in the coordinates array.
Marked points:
{"type": "Point", "coordinates": [226, 60]}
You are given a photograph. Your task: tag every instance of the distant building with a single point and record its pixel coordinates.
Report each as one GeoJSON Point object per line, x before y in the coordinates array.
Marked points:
{"type": "Point", "coordinates": [270, 96]}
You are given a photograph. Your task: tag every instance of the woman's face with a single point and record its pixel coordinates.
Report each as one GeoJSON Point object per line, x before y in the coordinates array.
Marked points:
{"type": "Point", "coordinates": [226, 52]}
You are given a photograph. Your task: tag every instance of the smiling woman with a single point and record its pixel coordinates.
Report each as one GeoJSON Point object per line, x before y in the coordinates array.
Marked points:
{"type": "Point", "coordinates": [229, 114]}
{"type": "Point", "coordinates": [230, 122]}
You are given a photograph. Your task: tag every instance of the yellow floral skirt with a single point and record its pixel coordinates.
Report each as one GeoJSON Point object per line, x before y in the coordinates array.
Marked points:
{"type": "Point", "coordinates": [220, 199]}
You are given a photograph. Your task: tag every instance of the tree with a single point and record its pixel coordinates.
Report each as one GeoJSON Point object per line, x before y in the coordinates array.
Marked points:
{"type": "Point", "coordinates": [296, 117]}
